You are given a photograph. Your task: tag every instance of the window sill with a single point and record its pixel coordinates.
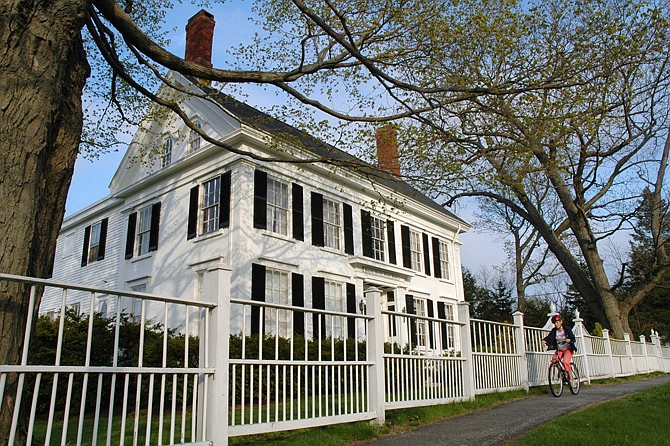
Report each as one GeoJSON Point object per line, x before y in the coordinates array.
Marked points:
{"type": "Point", "coordinates": [209, 235]}
{"type": "Point", "coordinates": [333, 251]}
{"type": "Point", "coordinates": [283, 237]}
{"type": "Point", "coordinates": [140, 258]}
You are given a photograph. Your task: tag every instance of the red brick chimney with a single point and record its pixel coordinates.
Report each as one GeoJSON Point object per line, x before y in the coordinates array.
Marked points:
{"type": "Point", "coordinates": [387, 150]}
{"type": "Point", "coordinates": [199, 37]}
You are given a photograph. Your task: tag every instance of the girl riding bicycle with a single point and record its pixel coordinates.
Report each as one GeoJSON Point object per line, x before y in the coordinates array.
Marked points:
{"type": "Point", "coordinates": [561, 339]}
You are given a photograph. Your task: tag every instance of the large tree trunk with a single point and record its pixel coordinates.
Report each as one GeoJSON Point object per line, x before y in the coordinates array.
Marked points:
{"type": "Point", "coordinates": [43, 69]}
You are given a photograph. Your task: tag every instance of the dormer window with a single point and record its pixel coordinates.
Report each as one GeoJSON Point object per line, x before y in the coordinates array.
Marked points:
{"type": "Point", "coordinates": [194, 140]}
{"type": "Point", "coordinates": [166, 153]}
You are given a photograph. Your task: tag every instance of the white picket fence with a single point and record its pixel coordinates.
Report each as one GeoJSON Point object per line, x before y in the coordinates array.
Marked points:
{"type": "Point", "coordinates": [245, 378]}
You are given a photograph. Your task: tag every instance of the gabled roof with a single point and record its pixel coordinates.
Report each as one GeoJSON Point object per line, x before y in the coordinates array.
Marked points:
{"type": "Point", "coordinates": [255, 118]}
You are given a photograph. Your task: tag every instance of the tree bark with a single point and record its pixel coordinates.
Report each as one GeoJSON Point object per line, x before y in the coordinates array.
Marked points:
{"type": "Point", "coordinates": [43, 70]}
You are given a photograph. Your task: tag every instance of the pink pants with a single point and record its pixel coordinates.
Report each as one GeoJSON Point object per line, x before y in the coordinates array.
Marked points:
{"type": "Point", "coordinates": [565, 356]}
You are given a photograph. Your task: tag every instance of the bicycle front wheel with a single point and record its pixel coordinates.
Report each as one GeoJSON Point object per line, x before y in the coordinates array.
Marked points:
{"type": "Point", "coordinates": [576, 379]}
{"type": "Point", "coordinates": [555, 380]}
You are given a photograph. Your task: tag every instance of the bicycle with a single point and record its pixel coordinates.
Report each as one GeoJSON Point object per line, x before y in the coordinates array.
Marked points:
{"type": "Point", "coordinates": [559, 376]}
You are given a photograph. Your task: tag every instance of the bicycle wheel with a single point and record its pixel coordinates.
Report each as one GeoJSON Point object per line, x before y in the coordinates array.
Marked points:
{"type": "Point", "coordinates": [555, 380]}
{"type": "Point", "coordinates": [576, 379]}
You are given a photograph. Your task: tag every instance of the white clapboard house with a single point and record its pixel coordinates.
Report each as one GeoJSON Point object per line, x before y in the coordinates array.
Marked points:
{"type": "Point", "coordinates": [307, 235]}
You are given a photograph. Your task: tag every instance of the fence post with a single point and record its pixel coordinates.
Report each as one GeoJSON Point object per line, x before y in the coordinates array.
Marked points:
{"type": "Point", "coordinates": [521, 349]}
{"type": "Point", "coordinates": [629, 352]}
{"type": "Point", "coordinates": [375, 353]}
{"type": "Point", "coordinates": [657, 350]}
{"type": "Point", "coordinates": [579, 334]}
{"type": "Point", "coordinates": [217, 289]}
{"type": "Point", "coordinates": [466, 351]}
{"type": "Point", "coordinates": [643, 340]}
{"type": "Point", "coordinates": [608, 349]}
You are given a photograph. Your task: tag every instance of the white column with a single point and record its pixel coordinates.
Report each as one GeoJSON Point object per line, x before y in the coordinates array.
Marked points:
{"type": "Point", "coordinates": [217, 289]}
{"type": "Point", "coordinates": [657, 350]}
{"type": "Point", "coordinates": [629, 352]}
{"type": "Point", "coordinates": [466, 351]}
{"type": "Point", "coordinates": [643, 340]}
{"type": "Point", "coordinates": [375, 353]}
{"type": "Point", "coordinates": [579, 334]}
{"type": "Point", "coordinates": [521, 349]}
{"type": "Point", "coordinates": [608, 350]}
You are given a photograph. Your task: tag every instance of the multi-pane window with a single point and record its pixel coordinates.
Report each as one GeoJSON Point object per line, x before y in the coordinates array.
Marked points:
{"type": "Point", "coordinates": [277, 206]}
{"type": "Point", "coordinates": [210, 205]}
{"type": "Point", "coordinates": [332, 224]}
{"type": "Point", "coordinates": [415, 250]}
{"type": "Point", "coordinates": [143, 230]}
{"type": "Point", "coordinates": [166, 154]}
{"type": "Point", "coordinates": [103, 306]}
{"type": "Point", "coordinates": [94, 242]}
{"type": "Point", "coordinates": [277, 292]}
{"type": "Point", "coordinates": [449, 314]}
{"type": "Point", "coordinates": [334, 300]}
{"type": "Point", "coordinates": [444, 261]}
{"type": "Point", "coordinates": [378, 238]}
{"type": "Point", "coordinates": [133, 305]}
{"type": "Point", "coordinates": [194, 139]}
{"type": "Point", "coordinates": [421, 324]}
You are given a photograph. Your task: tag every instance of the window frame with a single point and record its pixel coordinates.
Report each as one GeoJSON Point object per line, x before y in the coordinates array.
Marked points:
{"type": "Point", "coordinates": [278, 206]}
{"type": "Point", "coordinates": [332, 227]}
{"type": "Point", "coordinates": [416, 250]}
{"type": "Point", "coordinates": [277, 291]}
{"type": "Point", "coordinates": [378, 228]}
{"type": "Point", "coordinates": [422, 325]}
{"type": "Point", "coordinates": [142, 234]}
{"type": "Point", "coordinates": [166, 152]}
{"type": "Point", "coordinates": [194, 138]}
{"type": "Point", "coordinates": [209, 208]}
{"type": "Point", "coordinates": [445, 264]}
{"type": "Point", "coordinates": [335, 300]}
{"type": "Point", "coordinates": [94, 242]}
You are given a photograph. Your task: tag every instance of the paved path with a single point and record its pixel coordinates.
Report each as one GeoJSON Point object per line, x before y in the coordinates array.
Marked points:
{"type": "Point", "coordinates": [499, 424]}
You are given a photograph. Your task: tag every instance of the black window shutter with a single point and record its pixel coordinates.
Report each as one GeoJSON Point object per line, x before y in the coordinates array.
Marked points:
{"type": "Point", "coordinates": [260, 199]}
{"type": "Point", "coordinates": [442, 314]}
{"type": "Point", "coordinates": [348, 229]}
{"type": "Point", "coordinates": [193, 213]}
{"type": "Point", "coordinates": [224, 201]}
{"type": "Point", "coordinates": [298, 224]}
{"type": "Point", "coordinates": [409, 301]}
{"type": "Point", "coordinates": [319, 303]}
{"type": "Point", "coordinates": [84, 252]}
{"type": "Point", "coordinates": [130, 236]}
{"type": "Point", "coordinates": [103, 238]}
{"type": "Point", "coordinates": [431, 313]}
{"type": "Point", "coordinates": [366, 233]}
{"type": "Point", "coordinates": [155, 226]}
{"type": "Point", "coordinates": [426, 254]}
{"type": "Point", "coordinates": [298, 300]}
{"type": "Point", "coordinates": [390, 236]}
{"type": "Point", "coordinates": [436, 258]}
{"type": "Point", "coordinates": [257, 294]}
{"type": "Point", "coordinates": [406, 251]}
{"type": "Point", "coordinates": [351, 308]}
{"type": "Point", "coordinates": [317, 219]}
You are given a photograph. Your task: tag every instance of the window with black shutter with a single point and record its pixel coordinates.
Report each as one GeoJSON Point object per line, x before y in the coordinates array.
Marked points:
{"type": "Point", "coordinates": [95, 241]}
{"type": "Point", "coordinates": [426, 254]}
{"type": "Point", "coordinates": [318, 303]}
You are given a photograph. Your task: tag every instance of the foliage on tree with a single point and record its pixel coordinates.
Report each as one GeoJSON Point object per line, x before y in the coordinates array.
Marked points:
{"type": "Point", "coordinates": [654, 311]}
{"type": "Point", "coordinates": [494, 304]}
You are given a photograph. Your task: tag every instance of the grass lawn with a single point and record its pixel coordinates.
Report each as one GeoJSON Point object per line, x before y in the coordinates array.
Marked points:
{"type": "Point", "coordinates": [640, 419]}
